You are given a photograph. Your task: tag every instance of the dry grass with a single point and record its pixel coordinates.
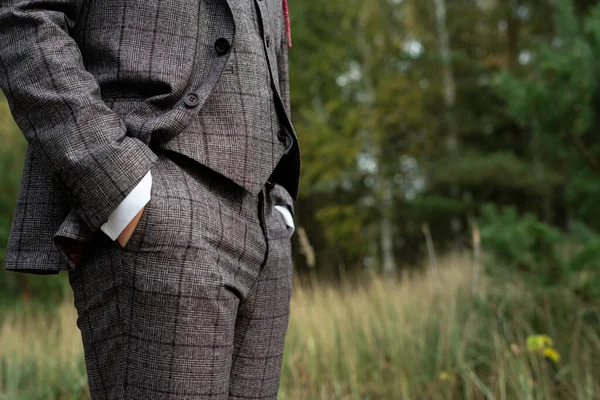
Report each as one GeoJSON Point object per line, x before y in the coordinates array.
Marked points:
{"type": "Point", "coordinates": [409, 339]}
{"type": "Point", "coordinates": [41, 355]}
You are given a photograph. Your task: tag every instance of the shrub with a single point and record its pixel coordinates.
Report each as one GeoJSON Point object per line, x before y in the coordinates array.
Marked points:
{"type": "Point", "coordinates": [545, 256]}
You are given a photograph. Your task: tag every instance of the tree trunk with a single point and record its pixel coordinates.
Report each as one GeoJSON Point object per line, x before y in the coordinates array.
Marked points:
{"type": "Point", "coordinates": [373, 146]}
{"type": "Point", "coordinates": [441, 18]}
{"type": "Point", "coordinates": [447, 71]}
{"type": "Point", "coordinates": [512, 37]}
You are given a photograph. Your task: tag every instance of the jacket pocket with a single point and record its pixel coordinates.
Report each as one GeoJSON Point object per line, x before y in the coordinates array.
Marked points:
{"type": "Point", "coordinates": [281, 196]}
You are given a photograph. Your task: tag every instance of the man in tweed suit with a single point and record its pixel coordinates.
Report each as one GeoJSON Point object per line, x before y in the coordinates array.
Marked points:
{"type": "Point", "coordinates": [160, 172]}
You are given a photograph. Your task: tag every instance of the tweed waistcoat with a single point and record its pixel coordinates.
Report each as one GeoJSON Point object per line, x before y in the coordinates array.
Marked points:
{"type": "Point", "coordinates": [242, 111]}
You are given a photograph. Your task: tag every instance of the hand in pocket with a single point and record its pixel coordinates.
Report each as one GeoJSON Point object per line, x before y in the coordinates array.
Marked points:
{"type": "Point", "coordinates": [128, 231]}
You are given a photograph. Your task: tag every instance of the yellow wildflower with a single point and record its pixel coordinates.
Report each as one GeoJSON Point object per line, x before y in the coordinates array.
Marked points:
{"type": "Point", "coordinates": [543, 344]}
{"type": "Point", "coordinates": [539, 342]}
{"type": "Point", "coordinates": [552, 354]}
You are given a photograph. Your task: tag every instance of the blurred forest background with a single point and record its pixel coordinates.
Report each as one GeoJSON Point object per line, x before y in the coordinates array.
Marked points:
{"type": "Point", "coordinates": [429, 130]}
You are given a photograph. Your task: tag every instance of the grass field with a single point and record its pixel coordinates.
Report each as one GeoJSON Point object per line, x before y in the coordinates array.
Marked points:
{"type": "Point", "coordinates": [416, 338]}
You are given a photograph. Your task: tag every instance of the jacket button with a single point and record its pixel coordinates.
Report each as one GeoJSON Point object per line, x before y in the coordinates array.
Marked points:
{"type": "Point", "coordinates": [191, 99]}
{"type": "Point", "coordinates": [222, 46]}
{"type": "Point", "coordinates": [281, 136]}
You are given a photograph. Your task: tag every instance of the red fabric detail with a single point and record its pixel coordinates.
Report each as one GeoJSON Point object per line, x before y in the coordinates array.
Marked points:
{"type": "Point", "coordinates": [288, 28]}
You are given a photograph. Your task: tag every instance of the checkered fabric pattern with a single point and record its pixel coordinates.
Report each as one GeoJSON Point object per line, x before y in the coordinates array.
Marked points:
{"type": "Point", "coordinates": [196, 305]}
{"type": "Point", "coordinates": [98, 88]}
{"type": "Point", "coordinates": [241, 112]}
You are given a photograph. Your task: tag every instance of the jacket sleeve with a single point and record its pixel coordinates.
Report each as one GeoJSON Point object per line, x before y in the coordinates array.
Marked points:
{"type": "Point", "coordinates": [57, 105]}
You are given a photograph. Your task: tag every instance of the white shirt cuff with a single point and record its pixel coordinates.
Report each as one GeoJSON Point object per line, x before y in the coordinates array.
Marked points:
{"type": "Point", "coordinates": [287, 217]}
{"type": "Point", "coordinates": [129, 208]}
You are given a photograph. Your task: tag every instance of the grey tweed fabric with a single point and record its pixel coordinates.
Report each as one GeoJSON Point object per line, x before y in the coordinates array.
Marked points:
{"type": "Point", "coordinates": [240, 112]}
{"type": "Point", "coordinates": [196, 305]}
{"type": "Point", "coordinates": [98, 87]}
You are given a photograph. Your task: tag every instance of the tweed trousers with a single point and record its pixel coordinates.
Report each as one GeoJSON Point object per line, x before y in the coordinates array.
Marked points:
{"type": "Point", "coordinates": [196, 305]}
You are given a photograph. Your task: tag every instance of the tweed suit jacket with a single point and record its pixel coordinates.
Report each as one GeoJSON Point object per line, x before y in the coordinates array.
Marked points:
{"type": "Point", "coordinates": [96, 85]}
